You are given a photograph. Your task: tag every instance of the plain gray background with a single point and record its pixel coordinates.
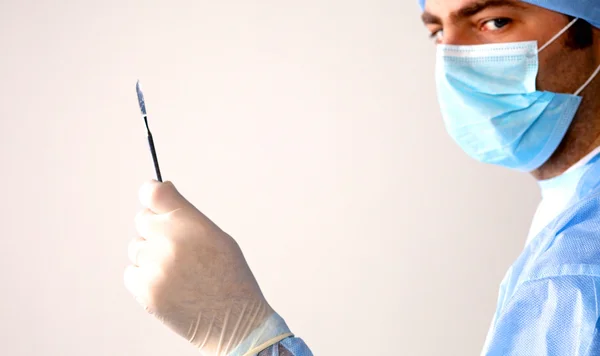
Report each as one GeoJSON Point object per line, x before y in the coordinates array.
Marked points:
{"type": "Point", "coordinates": [308, 130]}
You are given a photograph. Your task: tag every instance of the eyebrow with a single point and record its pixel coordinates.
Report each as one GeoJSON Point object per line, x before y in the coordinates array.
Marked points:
{"type": "Point", "coordinates": [471, 10]}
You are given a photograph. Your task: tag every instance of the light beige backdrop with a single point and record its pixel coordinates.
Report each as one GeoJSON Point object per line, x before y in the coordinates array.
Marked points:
{"type": "Point", "coordinates": [308, 130]}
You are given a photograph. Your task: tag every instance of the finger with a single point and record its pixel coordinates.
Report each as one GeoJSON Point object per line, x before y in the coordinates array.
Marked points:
{"type": "Point", "coordinates": [155, 254]}
{"type": "Point", "coordinates": [161, 198]}
{"type": "Point", "coordinates": [151, 226]}
{"type": "Point", "coordinates": [141, 282]}
{"type": "Point", "coordinates": [134, 248]}
{"type": "Point", "coordinates": [137, 281]}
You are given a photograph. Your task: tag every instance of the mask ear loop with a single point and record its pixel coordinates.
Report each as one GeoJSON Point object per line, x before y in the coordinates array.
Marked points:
{"type": "Point", "coordinates": [558, 34]}
{"type": "Point", "coordinates": [588, 81]}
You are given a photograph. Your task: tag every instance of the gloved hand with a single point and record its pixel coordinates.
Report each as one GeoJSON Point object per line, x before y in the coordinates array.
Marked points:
{"type": "Point", "coordinates": [192, 276]}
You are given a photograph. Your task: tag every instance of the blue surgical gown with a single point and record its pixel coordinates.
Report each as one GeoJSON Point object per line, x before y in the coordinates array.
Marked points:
{"type": "Point", "coordinates": [548, 302]}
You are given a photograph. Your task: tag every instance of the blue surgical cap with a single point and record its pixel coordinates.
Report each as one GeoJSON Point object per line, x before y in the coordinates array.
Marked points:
{"type": "Point", "coordinates": [588, 10]}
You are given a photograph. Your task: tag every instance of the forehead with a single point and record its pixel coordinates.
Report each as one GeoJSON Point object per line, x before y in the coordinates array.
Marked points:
{"type": "Point", "coordinates": [448, 4]}
{"type": "Point", "coordinates": [437, 11]}
{"type": "Point", "coordinates": [446, 7]}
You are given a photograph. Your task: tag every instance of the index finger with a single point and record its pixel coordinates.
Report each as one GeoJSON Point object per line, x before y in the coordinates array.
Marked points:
{"type": "Point", "coordinates": [150, 225]}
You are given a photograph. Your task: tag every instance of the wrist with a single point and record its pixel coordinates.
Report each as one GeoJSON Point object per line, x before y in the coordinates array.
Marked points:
{"type": "Point", "coordinates": [271, 331]}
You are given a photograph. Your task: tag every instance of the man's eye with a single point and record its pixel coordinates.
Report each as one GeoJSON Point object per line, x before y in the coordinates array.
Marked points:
{"type": "Point", "coordinates": [496, 24]}
{"type": "Point", "coordinates": [437, 35]}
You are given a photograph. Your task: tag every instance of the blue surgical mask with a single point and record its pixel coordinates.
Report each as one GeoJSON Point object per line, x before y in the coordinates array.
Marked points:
{"type": "Point", "coordinates": [491, 107]}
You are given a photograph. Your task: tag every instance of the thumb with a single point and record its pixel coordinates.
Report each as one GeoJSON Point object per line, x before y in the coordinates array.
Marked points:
{"type": "Point", "coordinates": [161, 198]}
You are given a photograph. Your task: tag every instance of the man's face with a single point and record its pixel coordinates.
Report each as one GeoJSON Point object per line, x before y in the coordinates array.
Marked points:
{"type": "Point", "coordinates": [471, 22]}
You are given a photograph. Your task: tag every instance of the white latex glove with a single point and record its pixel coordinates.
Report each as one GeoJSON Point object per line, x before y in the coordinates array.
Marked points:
{"type": "Point", "coordinates": [192, 276]}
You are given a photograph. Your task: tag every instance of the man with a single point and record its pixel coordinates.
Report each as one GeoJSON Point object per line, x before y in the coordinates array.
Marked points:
{"type": "Point", "coordinates": [518, 87]}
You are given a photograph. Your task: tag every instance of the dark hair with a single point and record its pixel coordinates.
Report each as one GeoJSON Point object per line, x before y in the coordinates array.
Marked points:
{"type": "Point", "coordinates": [581, 34]}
